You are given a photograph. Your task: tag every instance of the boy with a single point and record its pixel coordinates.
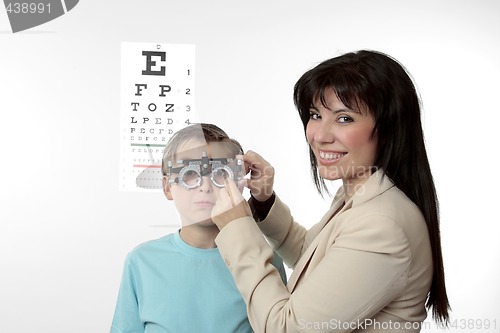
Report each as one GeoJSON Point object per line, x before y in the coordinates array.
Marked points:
{"type": "Point", "coordinates": [180, 283]}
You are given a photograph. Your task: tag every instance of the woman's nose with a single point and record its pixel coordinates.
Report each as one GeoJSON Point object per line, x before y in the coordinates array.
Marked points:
{"type": "Point", "coordinates": [324, 132]}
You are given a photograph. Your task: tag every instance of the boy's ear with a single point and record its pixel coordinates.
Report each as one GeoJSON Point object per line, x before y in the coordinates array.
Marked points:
{"type": "Point", "coordinates": [166, 188]}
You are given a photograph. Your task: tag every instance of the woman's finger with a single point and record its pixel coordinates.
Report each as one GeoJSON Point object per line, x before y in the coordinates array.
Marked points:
{"type": "Point", "coordinates": [233, 191]}
{"type": "Point", "coordinates": [252, 157]}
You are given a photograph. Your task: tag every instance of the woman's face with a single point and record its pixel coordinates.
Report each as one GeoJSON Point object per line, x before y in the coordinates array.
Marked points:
{"type": "Point", "coordinates": [341, 140]}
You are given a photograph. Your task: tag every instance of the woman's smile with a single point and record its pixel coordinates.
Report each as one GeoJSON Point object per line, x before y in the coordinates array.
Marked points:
{"type": "Point", "coordinates": [328, 157]}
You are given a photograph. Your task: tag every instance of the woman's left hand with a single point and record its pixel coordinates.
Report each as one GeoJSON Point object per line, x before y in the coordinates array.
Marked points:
{"type": "Point", "coordinates": [230, 205]}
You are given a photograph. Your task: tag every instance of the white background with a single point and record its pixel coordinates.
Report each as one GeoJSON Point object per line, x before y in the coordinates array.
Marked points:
{"type": "Point", "coordinates": [64, 226]}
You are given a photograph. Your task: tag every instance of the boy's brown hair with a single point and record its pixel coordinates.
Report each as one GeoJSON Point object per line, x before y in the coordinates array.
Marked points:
{"type": "Point", "coordinates": [202, 131]}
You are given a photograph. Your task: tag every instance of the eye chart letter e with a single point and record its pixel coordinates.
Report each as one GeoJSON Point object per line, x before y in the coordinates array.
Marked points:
{"type": "Point", "coordinates": [157, 99]}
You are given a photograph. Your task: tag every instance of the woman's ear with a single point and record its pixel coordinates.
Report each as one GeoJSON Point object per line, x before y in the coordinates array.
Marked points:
{"type": "Point", "coordinates": [166, 188]}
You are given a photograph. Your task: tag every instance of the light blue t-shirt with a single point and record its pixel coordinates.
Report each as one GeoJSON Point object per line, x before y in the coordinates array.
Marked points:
{"type": "Point", "coordinates": [170, 286]}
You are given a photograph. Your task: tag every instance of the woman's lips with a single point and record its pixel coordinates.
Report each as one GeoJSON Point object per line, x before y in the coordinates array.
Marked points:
{"type": "Point", "coordinates": [327, 157]}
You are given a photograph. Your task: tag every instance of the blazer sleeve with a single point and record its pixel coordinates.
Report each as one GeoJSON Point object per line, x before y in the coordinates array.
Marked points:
{"type": "Point", "coordinates": [278, 263]}
{"type": "Point", "coordinates": [287, 237]}
{"type": "Point", "coordinates": [360, 273]}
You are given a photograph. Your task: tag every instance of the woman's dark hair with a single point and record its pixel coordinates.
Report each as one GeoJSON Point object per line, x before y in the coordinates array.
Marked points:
{"type": "Point", "coordinates": [375, 81]}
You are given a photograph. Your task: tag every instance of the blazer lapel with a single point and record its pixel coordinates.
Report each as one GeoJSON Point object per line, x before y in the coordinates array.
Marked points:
{"type": "Point", "coordinates": [371, 188]}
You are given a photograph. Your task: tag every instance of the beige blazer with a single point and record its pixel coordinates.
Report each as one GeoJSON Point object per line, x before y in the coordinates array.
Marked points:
{"type": "Point", "coordinates": [367, 268]}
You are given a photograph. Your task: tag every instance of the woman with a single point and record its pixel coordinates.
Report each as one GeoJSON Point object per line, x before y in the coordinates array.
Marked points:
{"type": "Point", "coordinates": [373, 263]}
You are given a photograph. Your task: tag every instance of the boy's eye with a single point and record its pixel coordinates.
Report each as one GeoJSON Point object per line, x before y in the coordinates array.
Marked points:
{"type": "Point", "coordinates": [219, 176]}
{"type": "Point", "coordinates": [190, 177]}
{"type": "Point", "coordinates": [190, 174]}
{"type": "Point", "coordinates": [220, 173]}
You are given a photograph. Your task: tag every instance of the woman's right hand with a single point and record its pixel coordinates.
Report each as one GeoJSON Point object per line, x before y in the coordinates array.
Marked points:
{"type": "Point", "coordinates": [261, 178]}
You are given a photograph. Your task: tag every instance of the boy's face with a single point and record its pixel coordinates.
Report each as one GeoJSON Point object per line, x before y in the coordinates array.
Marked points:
{"type": "Point", "coordinates": [195, 205]}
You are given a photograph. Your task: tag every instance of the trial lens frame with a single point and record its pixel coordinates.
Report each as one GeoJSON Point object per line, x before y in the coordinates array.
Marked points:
{"type": "Point", "coordinates": [203, 167]}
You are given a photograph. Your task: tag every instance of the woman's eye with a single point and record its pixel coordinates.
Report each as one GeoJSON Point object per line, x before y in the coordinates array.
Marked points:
{"type": "Point", "coordinates": [344, 119]}
{"type": "Point", "coordinates": [314, 116]}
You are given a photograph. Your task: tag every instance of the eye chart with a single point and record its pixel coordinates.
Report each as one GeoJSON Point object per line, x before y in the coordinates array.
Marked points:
{"type": "Point", "coordinates": [157, 99]}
